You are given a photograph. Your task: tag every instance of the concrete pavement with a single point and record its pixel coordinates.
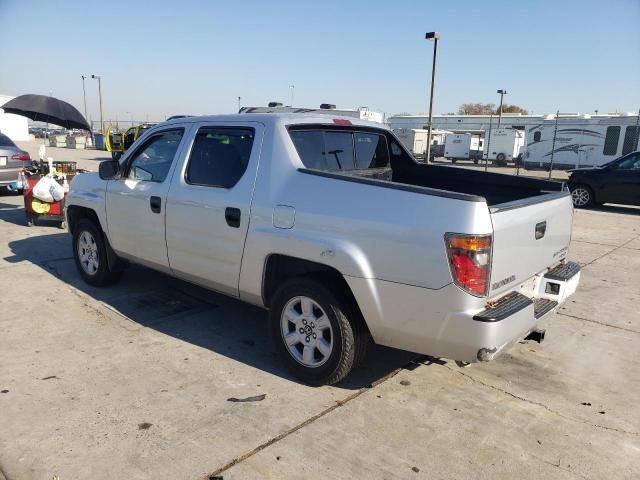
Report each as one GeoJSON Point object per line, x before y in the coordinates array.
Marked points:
{"type": "Point", "coordinates": [134, 381]}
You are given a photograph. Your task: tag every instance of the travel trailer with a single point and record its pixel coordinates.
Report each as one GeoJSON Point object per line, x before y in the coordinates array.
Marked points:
{"type": "Point", "coordinates": [504, 145]}
{"type": "Point", "coordinates": [580, 142]}
{"type": "Point", "coordinates": [415, 140]}
{"type": "Point", "coordinates": [463, 146]}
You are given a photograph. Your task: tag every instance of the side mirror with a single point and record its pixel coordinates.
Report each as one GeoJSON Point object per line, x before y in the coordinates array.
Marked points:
{"type": "Point", "coordinates": [109, 170]}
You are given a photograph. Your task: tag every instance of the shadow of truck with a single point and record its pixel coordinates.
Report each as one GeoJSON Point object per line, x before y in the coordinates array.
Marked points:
{"type": "Point", "coordinates": [187, 312]}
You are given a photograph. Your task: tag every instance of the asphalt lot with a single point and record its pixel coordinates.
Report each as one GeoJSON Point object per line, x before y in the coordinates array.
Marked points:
{"type": "Point", "coordinates": [133, 381]}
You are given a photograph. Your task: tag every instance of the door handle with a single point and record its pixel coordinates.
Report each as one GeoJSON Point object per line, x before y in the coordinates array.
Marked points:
{"type": "Point", "coordinates": [156, 204]}
{"type": "Point", "coordinates": [232, 216]}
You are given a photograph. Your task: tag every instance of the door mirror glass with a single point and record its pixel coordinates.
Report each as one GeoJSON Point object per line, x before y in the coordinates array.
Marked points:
{"type": "Point", "coordinates": [109, 170]}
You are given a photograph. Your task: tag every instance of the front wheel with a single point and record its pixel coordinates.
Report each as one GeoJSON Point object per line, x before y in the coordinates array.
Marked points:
{"type": "Point", "coordinates": [90, 255]}
{"type": "Point", "coordinates": [582, 196]}
{"type": "Point", "coordinates": [320, 336]}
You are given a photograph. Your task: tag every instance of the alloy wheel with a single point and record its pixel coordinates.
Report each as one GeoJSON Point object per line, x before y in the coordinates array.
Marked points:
{"type": "Point", "coordinates": [306, 331]}
{"type": "Point", "coordinates": [88, 253]}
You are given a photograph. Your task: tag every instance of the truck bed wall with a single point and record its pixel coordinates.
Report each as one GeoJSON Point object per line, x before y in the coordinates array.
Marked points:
{"type": "Point", "coordinates": [496, 188]}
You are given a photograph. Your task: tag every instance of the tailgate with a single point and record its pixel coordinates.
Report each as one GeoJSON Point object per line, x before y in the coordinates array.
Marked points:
{"type": "Point", "coordinates": [528, 237]}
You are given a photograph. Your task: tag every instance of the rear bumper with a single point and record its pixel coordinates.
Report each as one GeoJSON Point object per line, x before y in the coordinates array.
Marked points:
{"type": "Point", "coordinates": [432, 322]}
{"type": "Point", "coordinates": [9, 175]}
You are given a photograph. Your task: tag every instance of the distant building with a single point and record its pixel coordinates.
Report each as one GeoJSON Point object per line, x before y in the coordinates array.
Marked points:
{"type": "Point", "coordinates": [13, 126]}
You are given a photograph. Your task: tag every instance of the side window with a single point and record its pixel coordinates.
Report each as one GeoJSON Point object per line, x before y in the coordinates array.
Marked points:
{"type": "Point", "coordinates": [611, 141]}
{"type": "Point", "coordinates": [152, 161]}
{"type": "Point", "coordinates": [631, 163]}
{"type": "Point", "coordinates": [630, 139]}
{"type": "Point", "coordinates": [219, 156]}
{"type": "Point", "coordinates": [537, 136]}
{"type": "Point", "coordinates": [371, 151]}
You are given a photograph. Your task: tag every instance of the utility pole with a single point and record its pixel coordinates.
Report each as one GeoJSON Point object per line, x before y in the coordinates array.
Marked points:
{"type": "Point", "coordinates": [502, 93]}
{"type": "Point", "coordinates": [292, 87]}
{"type": "Point", "coordinates": [239, 107]}
{"type": "Point", "coordinates": [431, 36]}
{"type": "Point", "coordinates": [99, 78]}
{"type": "Point", "coordinates": [84, 97]}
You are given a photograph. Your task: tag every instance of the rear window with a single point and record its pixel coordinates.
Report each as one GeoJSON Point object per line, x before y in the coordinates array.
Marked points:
{"type": "Point", "coordinates": [6, 141]}
{"type": "Point", "coordinates": [341, 150]}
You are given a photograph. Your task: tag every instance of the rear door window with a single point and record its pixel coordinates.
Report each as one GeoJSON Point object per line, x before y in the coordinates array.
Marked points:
{"type": "Point", "coordinates": [333, 150]}
{"type": "Point", "coordinates": [219, 156]}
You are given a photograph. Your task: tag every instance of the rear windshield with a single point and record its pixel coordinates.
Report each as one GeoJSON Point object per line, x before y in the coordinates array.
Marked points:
{"type": "Point", "coordinates": [6, 141]}
{"type": "Point", "coordinates": [341, 149]}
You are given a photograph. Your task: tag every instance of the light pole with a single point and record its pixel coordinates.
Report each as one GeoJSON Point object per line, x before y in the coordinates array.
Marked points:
{"type": "Point", "coordinates": [502, 93]}
{"type": "Point", "coordinates": [239, 100]}
{"type": "Point", "coordinates": [292, 87]}
{"type": "Point", "coordinates": [431, 36]}
{"type": "Point", "coordinates": [84, 97]}
{"type": "Point", "coordinates": [99, 78]}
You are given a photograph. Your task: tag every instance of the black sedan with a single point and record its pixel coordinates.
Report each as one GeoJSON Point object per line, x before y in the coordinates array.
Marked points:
{"type": "Point", "coordinates": [614, 182]}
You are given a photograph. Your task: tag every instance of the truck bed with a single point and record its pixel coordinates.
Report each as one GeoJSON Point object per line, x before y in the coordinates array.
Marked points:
{"type": "Point", "coordinates": [496, 188]}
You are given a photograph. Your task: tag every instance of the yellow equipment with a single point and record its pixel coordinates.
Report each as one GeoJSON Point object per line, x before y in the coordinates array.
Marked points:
{"type": "Point", "coordinates": [118, 142]}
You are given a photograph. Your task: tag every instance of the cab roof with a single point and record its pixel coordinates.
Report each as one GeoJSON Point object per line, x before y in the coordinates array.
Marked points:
{"type": "Point", "coordinates": [281, 119]}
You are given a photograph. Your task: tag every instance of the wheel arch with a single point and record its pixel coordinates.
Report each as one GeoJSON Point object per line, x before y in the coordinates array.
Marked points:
{"type": "Point", "coordinates": [76, 212]}
{"type": "Point", "coordinates": [279, 268]}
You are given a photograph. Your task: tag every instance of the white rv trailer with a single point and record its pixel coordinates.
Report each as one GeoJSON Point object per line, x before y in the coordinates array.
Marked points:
{"type": "Point", "coordinates": [463, 146]}
{"type": "Point", "coordinates": [415, 139]}
{"type": "Point", "coordinates": [580, 141]}
{"type": "Point", "coordinates": [504, 145]}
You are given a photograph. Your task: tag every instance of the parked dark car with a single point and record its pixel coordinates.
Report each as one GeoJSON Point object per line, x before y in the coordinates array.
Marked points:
{"type": "Point", "coordinates": [615, 182]}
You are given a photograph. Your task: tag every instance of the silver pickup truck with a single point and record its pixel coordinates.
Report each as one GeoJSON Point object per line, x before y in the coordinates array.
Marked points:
{"type": "Point", "coordinates": [331, 225]}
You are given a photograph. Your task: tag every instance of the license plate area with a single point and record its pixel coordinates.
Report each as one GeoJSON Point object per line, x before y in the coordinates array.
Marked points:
{"type": "Point", "coordinates": [3, 161]}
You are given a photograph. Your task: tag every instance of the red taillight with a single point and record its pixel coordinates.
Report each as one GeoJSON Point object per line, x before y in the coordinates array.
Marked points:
{"type": "Point", "coordinates": [24, 157]}
{"type": "Point", "coordinates": [470, 261]}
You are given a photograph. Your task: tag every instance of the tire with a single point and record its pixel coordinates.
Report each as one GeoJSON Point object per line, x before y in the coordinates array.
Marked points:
{"type": "Point", "coordinates": [338, 324]}
{"type": "Point", "coordinates": [501, 159]}
{"type": "Point", "coordinates": [582, 196]}
{"type": "Point", "coordinates": [90, 255]}
{"type": "Point", "coordinates": [453, 160]}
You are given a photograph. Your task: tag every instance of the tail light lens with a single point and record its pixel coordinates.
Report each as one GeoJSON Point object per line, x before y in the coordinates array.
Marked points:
{"type": "Point", "coordinates": [24, 157]}
{"type": "Point", "coordinates": [470, 261]}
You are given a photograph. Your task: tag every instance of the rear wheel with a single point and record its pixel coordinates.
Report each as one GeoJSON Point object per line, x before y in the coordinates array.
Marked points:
{"type": "Point", "coordinates": [90, 255]}
{"type": "Point", "coordinates": [501, 159]}
{"type": "Point", "coordinates": [320, 336]}
{"type": "Point", "coordinates": [582, 196]}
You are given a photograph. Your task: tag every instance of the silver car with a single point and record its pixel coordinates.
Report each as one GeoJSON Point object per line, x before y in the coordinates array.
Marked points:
{"type": "Point", "coordinates": [12, 160]}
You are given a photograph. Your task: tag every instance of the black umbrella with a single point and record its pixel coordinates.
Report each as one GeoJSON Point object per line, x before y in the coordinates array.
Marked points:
{"type": "Point", "coordinates": [42, 108]}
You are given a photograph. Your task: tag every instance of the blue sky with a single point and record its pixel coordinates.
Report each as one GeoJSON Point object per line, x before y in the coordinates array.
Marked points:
{"type": "Point", "coordinates": [163, 58]}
